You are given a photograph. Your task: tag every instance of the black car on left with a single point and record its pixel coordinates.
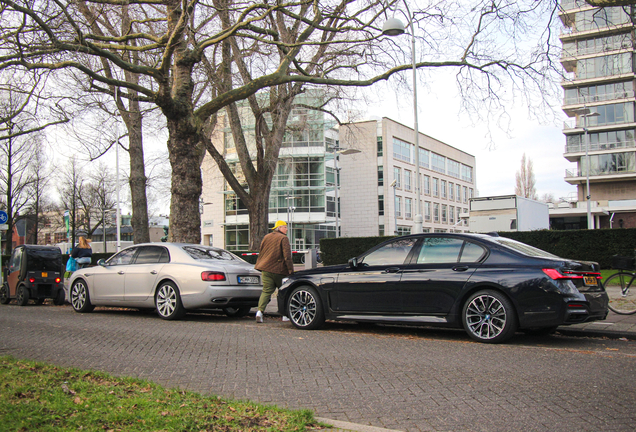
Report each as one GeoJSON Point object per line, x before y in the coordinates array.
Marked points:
{"type": "Point", "coordinates": [491, 286]}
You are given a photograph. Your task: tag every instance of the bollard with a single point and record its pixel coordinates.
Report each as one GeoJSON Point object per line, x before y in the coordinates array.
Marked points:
{"type": "Point", "coordinates": [310, 259]}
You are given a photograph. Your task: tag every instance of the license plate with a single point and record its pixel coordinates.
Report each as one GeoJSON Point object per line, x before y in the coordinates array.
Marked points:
{"type": "Point", "coordinates": [590, 280]}
{"type": "Point", "coordinates": [252, 280]}
{"type": "Point", "coordinates": [45, 274]}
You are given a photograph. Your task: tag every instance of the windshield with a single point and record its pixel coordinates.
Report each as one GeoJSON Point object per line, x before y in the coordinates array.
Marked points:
{"type": "Point", "coordinates": [209, 253]}
{"type": "Point", "coordinates": [44, 260]}
{"type": "Point", "coordinates": [523, 248]}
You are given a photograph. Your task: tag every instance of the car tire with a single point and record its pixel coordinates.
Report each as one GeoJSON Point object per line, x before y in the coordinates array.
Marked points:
{"type": "Point", "coordinates": [60, 299]}
{"type": "Point", "coordinates": [4, 294]}
{"type": "Point", "coordinates": [304, 308]}
{"type": "Point", "coordinates": [80, 298]}
{"type": "Point", "coordinates": [489, 316]}
{"type": "Point", "coordinates": [168, 302]}
{"type": "Point", "coordinates": [22, 295]}
{"type": "Point", "coordinates": [237, 312]}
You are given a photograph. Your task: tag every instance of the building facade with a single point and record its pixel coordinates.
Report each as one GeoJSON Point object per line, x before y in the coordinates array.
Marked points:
{"type": "Point", "coordinates": [598, 59]}
{"type": "Point", "coordinates": [378, 185]}
{"type": "Point", "coordinates": [302, 191]}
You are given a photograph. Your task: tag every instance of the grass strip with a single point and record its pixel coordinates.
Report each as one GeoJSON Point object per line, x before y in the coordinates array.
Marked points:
{"type": "Point", "coordinates": [36, 396]}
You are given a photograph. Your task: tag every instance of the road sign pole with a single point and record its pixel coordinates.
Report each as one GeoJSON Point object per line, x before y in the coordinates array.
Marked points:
{"type": "Point", "coordinates": [4, 218]}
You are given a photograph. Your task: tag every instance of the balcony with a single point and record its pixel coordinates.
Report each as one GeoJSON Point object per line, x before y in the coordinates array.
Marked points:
{"type": "Point", "coordinates": [597, 176]}
{"type": "Point", "coordinates": [580, 148]}
{"type": "Point", "coordinates": [573, 4]}
{"type": "Point", "coordinates": [583, 99]}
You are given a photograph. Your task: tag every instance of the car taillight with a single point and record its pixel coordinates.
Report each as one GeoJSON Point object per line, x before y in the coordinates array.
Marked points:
{"type": "Point", "coordinates": [32, 280]}
{"type": "Point", "coordinates": [555, 274]}
{"type": "Point", "coordinates": [58, 280]}
{"type": "Point", "coordinates": [210, 276]}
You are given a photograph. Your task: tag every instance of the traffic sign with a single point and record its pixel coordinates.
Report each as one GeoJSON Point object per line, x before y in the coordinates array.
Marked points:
{"type": "Point", "coordinates": [4, 217]}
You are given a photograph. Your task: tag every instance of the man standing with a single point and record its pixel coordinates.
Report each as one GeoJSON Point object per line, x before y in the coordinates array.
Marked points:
{"type": "Point", "coordinates": [275, 262]}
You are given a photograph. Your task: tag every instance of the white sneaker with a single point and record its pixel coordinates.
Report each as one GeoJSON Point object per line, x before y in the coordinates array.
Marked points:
{"type": "Point", "coordinates": [259, 317]}
{"type": "Point", "coordinates": [285, 319]}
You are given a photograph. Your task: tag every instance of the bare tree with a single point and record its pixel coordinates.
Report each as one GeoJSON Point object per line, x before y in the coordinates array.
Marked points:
{"type": "Point", "coordinates": [525, 181]}
{"type": "Point", "coordinates": [71, 186]}
{"type": "Point", "coordinates": [39, 201]}
{"type": "Point", "coordinates": [25, 111]}
{"type": "Point", "coordinates": [548, 197]}
{"type": "Point", "coordinates": [176, 41]}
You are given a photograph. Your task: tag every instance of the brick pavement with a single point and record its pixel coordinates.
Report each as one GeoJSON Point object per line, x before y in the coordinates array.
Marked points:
{"type": "Point", "coordinates": [401, 379]}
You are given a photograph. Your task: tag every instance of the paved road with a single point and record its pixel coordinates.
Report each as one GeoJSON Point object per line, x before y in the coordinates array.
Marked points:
{"type": "Point", "coordinates": [398, 378]}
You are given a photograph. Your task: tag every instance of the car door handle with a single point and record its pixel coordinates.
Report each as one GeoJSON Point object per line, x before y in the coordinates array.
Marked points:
{"type": "Point", "coordinates": [153, 272]}
{"type": "Point", "coordinates": [392, 270]}
{"type": "Point", "coordinates": [120, 272]}
{"type": "Point", "coordinates": [460, 268]}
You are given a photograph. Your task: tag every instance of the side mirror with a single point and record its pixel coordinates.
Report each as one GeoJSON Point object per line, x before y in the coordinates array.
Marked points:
{"type": "Point", "coordinates": [101, 262]}
{"type": "Point", "coordinates": [353, 263]}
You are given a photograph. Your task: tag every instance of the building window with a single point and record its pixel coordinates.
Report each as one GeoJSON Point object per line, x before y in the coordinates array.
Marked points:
{"type": "Point", "coordinates": [453, 168]}
{"type": "Point", "coordinates": [398, 206]}
{"type": "Point", "coordinates": [435, 187]}
{"type": "Point", "coordinates": [237, 237]}
{"type": "Point", "coordinates": [444, 213]}
{"type": "Point", "coordinates": [609, 163]}
{"type": "Point", "coordinates": [443, 189]}
{"type": "Point", "coordinates": [380, 175]}
{"type": "Point", "coordinates": [438, 163]}
{"type": "Point", "coordinates": [451, 191]}
{"type": "Point", "coordinates": [381, 205]}
{"type": "Point", "coordinates": [451, 214]}
{"type": "Point", "coordinates": [467, 173]}
{"type": "Point", "coordinates": [465, 194]}
{"type": "Point", "coordinates": [610, 114]}
{"type": "Point", "coordinates": [459, 193]}
{"type": "Point", "coordinates": [602, 140]}
{"type": "Point", "coordinates": [424, 158]}
{"type": "Point", "coordinates": [613, 64]}
{"type": "Point", "coordinates": [402, 150]}
{"type": "Point", "coordinates": [407, 180]}
{"type": "Point", "coordinates": [404, 230]}
{"type": "Point", "coordinates": [427, 185]}
{"type": "Point", "coordinates": [408, 203]}
{"type": "Point", "coordinates": [427, 211]}
{"type": "Point", "coordinates": [436, 212]}
{"type": "Point", "coordinates": [397, 176]}
{"type": "Point", "coordinates": [381, 230]}
{"type": "Point", "coordinates": [380, 151]}
{"type": "Point", "coordinates": [470, 193]}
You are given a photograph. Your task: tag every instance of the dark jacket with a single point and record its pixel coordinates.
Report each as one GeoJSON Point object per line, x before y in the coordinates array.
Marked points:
{"type": "Point", "coordinates": [275, 254]}
{"type": "Point", "coordinates": [78, 252]}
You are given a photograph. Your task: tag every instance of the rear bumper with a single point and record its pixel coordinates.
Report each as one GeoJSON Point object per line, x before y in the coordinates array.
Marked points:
{"type": "Point", "coordinates": [44, 290]}
{"type": "Point", "coordinates": [223, 296]}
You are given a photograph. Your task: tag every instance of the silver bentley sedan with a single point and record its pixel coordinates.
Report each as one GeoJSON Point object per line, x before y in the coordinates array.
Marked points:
{"type": "Point", "coordinates": [169, 277]}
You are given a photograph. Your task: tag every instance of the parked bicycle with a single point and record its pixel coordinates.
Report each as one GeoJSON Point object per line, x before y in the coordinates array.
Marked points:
{"type": "Point", "coordinates": [621, 286]}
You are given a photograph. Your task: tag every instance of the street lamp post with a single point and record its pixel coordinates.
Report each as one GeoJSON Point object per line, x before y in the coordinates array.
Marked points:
{"type": "Point", "coordinates": [585, 113]}
{"type": "Point", "coordinates": [394, 185]}
{"type": "Point", "coordinates": [394, 27]}
{"type": "Point", "coordinates": [337, 150]}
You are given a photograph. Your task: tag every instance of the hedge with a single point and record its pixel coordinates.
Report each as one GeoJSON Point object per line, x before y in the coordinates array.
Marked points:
{"type": "Point", "coordinates": [588, 245]}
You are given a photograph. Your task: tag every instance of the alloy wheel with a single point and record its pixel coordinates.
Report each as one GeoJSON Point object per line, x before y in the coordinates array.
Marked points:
{"type": "Point", "coordinates": [78, 295]}
{"type": "Point", "coordinates": [486, 317]}
{"type": "Point", "coordinates": [302, 308]}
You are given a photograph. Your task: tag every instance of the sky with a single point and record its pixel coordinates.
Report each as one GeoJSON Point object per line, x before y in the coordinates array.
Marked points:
{"type": "Point", "coordinates": [498, 153]}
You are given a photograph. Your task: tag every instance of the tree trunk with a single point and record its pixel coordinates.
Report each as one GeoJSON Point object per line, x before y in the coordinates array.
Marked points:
{"type": "Point", "coordinates": [185, 154]}
{"type": "Point", "coordinates": [259, 215]}
{"type": "Point", "coordinates": [138, 178]}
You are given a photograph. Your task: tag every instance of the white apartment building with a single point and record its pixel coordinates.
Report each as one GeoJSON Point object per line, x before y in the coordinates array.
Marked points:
{"type": "Point", "coordinates": [598, 58]}
{"type": "Point", "coordinates": [370, 206]}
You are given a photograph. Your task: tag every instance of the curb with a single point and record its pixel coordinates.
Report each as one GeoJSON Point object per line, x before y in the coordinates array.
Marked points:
{"type": "Point", "coordinates": [342, 426]}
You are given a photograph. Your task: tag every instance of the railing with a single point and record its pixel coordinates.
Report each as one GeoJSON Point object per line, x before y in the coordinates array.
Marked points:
{"type": "Point", "coordinates": [598, 172]}
{"type": "Point", "coordinates": [572, 4]}
{"type": "Point", "coordinates": [598, 98]}
{"type": "Point", "coordinates": [575, 148]}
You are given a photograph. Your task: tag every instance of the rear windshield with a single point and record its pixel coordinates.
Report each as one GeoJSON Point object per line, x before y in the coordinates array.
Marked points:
{"type": "Point", "coordinates": [209, 253]}
{"type": "Point", "coordinates": [44, 260]}
{"type": "Point", "coordinates": [523, 248]}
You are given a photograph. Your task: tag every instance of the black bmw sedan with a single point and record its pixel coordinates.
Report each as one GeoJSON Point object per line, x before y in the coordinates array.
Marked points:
{"type": "Point", "coordinates": [491, 286]}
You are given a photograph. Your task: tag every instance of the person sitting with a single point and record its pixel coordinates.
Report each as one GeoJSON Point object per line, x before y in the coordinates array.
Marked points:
{"type": "Point", "coordinates": [82, 252]}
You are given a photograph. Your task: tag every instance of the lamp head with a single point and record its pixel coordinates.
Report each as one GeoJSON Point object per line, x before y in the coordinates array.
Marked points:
{"type": "Point", "coordinates": [393, 27]}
